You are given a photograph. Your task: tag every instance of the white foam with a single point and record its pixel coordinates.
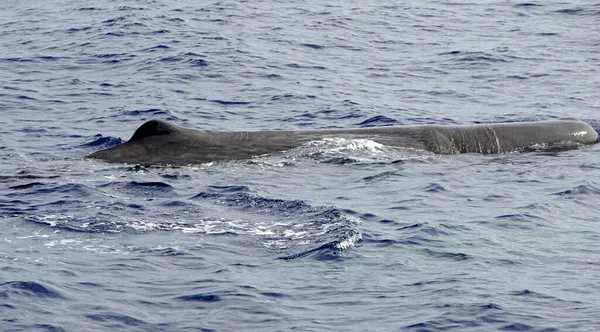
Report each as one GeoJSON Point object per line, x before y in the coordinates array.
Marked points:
{"type": "Point", "coordinates": [350, 242]}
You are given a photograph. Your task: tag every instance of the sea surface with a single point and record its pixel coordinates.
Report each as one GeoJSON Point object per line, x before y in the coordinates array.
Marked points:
{"type": "Point", "coordinates": [337, 235]}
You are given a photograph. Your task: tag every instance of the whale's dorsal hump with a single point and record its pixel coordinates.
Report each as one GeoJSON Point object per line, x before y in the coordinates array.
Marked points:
{"type": "Point", "coordinates": [153, 128]}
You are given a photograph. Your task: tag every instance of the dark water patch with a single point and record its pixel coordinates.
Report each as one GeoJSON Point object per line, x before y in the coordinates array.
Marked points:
{"type": "Point", "coordinates": [160, 252]}
{"type": "Point", "coordinates": [364, 216]}
{"type": "Point", "coordinates": [426, 228]}
{"type": "Point", "coordinates": [155, 112]}
{"type": "Point", "coordinates": [496, 198]}
{"type": "Point", "coordinates": [51, 58]}
{"type": "Point", "coordinates": [455, 52]}
{"type": "Point", "coordinates": [24, 97]}
{"type": "Point", "coordinates": [14, 207]}
{"type": "Point", "coordinates": [273, 295]}
{"type": "Point", "coordinates": [15, 60]}
{"type": "Point", "coordinates": [529, 293]}
{"type": "Point", "coordinates": [102, 142]}
{"type": "Point", "coordinates": [379, 242]}
{"type": "Point", "coordinates": [388, 221]}
{"type": "Point", "coordinates": [378, 121]}
{"type": "Point", "coordinates": [291, 97]}
{"type": "Point", "coordinates": [527, 4]}
{"type": "Point", "coordinates": [175, 176]}
{"type": "Point", "coordinates": [338, 160]}
{"type": "Point", "coordinates": [417, 240]}
{"type": "Point", "coordinates": [26, 185]}
{"type": "Point", "coordinates": [112, 58]}
{"type": "Point", "coordinates": [438, 281]}
{"type": "Point", "coordinates": [134, 206]}
{"type": "Point", "coordinates": [229, 102]}
{"type": "Point", "coordinates": [435, 188]}
{"type": "Point", "coordinates": [195, 60]}
{"type": "Point", "coordinates": [581, 190]}
{"type": "Point", "coordinates": [406, 204]}
{"type": "Point", "coordinates": [140, 188]}
{"type": "Point", "coordinates": [229, 189]}
{"type": "Point", "coordinates": [170, 59]}
{"type": "Point", "coordinates": [446, 228]}
{"type": "Point", "coordinates": [400, 207]}
{"type": "Point", "coordinates": [175, 204]}
{"type": "Point", "coordinates": [517, 77]}
{"type": "Point", "coordinates": [433, 230]}
{"type": "Point", "coordinates": [521, 181]}
{"type": "Point", "coordinates": [168, 252]}
{"type": "Point", "coordinates": [112, 21]}
{"type": "Point", "coordinates": [176, 20]}
{"type": "Point", "coordinates": [29, 289]}
{"type": "Point", "coordinates": [112, 318]}
{"type": "Point", "coordinates": [381, 176]}
{"type": "Point", "coordinates": [519, 217]}
{"type": "Point", "coordinates": [454, 315]}
{"type": "Point", "coordinates": [69, 190]}
{"type": "Point", "coordinates": [128, 8]}
{"type": "Point", "coordinates": [474, 57]}
{"type": "Point", "coordinates": [299, 66]}
{"type": "Point", "coordinates": [538, 75]}
{"type": "Point", "coordinates": [481, 58]}
{"type": "Point", "coordinates": [447, 255]}
{"type": "Point", "coordinates": [425, 326]}
{"type": "Point", "coordinates": [406, 234]}
{"type": "Point", "coordinates": [307, 118]}
{"type": "Point", "coordinates": [488, 306]}
{"type": "Point", "coordinates": [516, 327]}
{"type": "Point", "coordinates": [187, 77]}
{"type": "Point", "coordinates": [313, 46]}
{"type": "Point", "coordinates": [446, 93]}
{"type": "Point", "coordinates": [26, 175]}
{"type": "Point", "coordinates": [591, 166]}
{"type": "Point", "coordinates": [155, 48]}
{"type": "Point", "coordinates": [571, 11]}
{"type": "Point", "coordinates": [208, 298]}
{"type": "Point", "coordinates": [55, 101]}
{"type": "Point", "coordinates": [49, 328]}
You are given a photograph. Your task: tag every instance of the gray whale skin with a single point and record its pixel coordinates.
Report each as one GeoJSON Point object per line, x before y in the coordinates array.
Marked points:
{"type": "Point", "coordinates": [161, 143]}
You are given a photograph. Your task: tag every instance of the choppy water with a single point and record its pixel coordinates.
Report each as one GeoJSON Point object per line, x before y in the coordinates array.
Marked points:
{"type": "Point", "coordinates": [336, 235]}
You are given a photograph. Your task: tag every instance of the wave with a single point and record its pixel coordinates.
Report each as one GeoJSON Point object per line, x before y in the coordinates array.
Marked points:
{"type": "Point", "coordinates": [289, 228]}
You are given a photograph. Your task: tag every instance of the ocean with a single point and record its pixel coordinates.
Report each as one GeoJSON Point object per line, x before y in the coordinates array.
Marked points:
{"type": "Point", "coordinates": [337, 235]}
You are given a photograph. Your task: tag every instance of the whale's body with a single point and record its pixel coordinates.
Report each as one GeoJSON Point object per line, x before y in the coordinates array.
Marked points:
{"type": "Point", "coordinates": [163, 143]}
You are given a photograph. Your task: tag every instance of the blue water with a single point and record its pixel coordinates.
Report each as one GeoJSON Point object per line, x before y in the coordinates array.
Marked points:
{"type": "Point", "coordinates": [337, 235]}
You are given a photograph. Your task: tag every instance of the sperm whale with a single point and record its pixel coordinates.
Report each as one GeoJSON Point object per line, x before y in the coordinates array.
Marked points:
{"type": "Point", "coordinates": [158, 142]}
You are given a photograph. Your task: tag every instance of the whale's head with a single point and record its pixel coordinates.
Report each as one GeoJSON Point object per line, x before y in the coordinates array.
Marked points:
{"type": "Point", "coordinates": [154, 142]}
